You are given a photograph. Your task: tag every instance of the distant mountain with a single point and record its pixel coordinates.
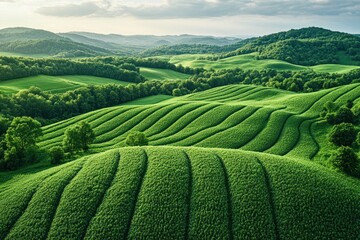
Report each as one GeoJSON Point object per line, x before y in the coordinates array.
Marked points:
{"type": "Point", "coordinates": [22, 34]}
{"type": "Point", "coordinates": [306, 46]}
{"type": "Point", "coordinates": [148, 41]}
{"type": "Point", "coordinates": [34, 41]}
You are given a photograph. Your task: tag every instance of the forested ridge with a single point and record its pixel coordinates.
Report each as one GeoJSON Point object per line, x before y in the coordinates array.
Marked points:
{"type": "Point", "coordinates": [306, 46]}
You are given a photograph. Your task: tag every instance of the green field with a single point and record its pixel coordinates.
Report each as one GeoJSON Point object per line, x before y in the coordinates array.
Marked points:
{"type": "Point", "coordinates": [162, 74]}
{"type": "Point", "coordinates": [249, 61]}
{"type": "Point", "coordinates": [181, 193]}
{"type": "Point", "coordinates": [236, 116]}
{"type": "Point", "coordinates": [55, 84]}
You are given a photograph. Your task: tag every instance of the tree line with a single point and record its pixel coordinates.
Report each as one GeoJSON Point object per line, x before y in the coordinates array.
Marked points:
{"type": "Point", "coordinates": [47, 106]}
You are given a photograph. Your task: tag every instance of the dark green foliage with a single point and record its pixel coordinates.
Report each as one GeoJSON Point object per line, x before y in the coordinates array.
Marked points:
{"type": "Point", "coordinates": [306, 46]}
{"type": "Point", "coordinates": [189, 49]}
{"type": "Point", "coordinates": [343, 134]}
{"type": "Point", "coordinates": [136, 139]}
{"type": "Point", "coordinates": [78, 137]}
{"type": "Point", "coordinates": [56, 155]}
{"type": "Point", "coordinates": [20, 139]}
{"type": "Point", "coordinates": [12, 67]}
{"type": "Point", "coordinates": [346, 160]}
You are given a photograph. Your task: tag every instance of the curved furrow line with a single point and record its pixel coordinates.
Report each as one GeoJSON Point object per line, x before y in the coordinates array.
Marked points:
{"type": "Point", "coordinates": [108, 126]}
{"type": "Point", "coordinates": [231, 94]}
{"type": "Point", "coordinates": [62, 124]}
{"type": "Point", "coordinates": [57, 134]}
{"type": "Point", "coordinates": [231, 91]}
{"type": "Point", "coordinates": [236, 136]}
{"type": "Point", "coordinates": [246, 94]}
{"type": "Point", "coordinates": [10, 225]}
{"type": "Point", "coordinates": [170, 118]}
{"type": "Point", "coordinates": [232, 120]}
{"type": "Point", "coordinates": [130, 121]}
{"type": "Point", "coordinates": [188, 200]}
{"type": "Point", "coordinates": [81, 197]}
{"type": "Point", "coordinates": [270, 198]}
{"type": "Point", "coordinates": [138, 124]}
{"type": "Point", "coordinates": [270, 133]}
{"type": "Point", "coordinates": [208, 95]}
{"type": "Point", "coordinates": [298, 133]}
{"type": "Point", "coordinates": [353, 92]}
{"type": "Point", "coordinates": [106, 189]}
{"type": "Point", "coordinates": [182, 122]}
{"type": "Point", "coordinates": [314, 139]}
{"type": "Point", "coordinates": [43, 205]}
{"type": "Point", "coordinates": [288, 136]}
{"type": "Point", "coordinates": [211, 118]}
{"type": "Point", "coordinates": [260, 128]}
{"type": "Point", "coordinates": [229, 197]}
{"type": "Point", "coordinates": [306, 145]}
{"type": "Point", "coordinates": [137, 193]}
{"type": "Point", "coordinates": [206, 92]}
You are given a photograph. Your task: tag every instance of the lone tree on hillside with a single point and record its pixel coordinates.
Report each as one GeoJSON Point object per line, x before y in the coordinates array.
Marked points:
{"type": "Point", "coordinates": [78, 137]}
{"type": "Point", "coordinates": [343, 134]}
{"type": "Point", "coordinates": [20, 138]}
{"type": "Point", "coordinates": [136, 139]}
{"type": "Point", "coordinates": [346, 160]}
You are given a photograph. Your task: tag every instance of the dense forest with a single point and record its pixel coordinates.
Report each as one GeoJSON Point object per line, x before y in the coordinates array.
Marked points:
{"type": "Point", "coordinates": [190, 49]}
{"type": "Point", "coordinates": [307, 46]}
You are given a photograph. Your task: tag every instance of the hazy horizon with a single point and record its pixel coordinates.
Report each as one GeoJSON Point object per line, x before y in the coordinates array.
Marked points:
{"type": "Point", "coordinates": [228, 18]}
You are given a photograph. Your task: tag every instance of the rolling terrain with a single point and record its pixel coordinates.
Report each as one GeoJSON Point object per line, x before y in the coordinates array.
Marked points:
{"type": "Point", "coordinates": [236, 116]}
{"type": "Point", "coordinates": [55, 84]}
{"type": "Point", "coordinates": [116, 195]}
{"type": "Point", "coordinates": [249, 62]}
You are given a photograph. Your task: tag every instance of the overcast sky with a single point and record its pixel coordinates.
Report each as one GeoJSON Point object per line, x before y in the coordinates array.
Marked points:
{"type": "Point", "coordinates": [160, 17]}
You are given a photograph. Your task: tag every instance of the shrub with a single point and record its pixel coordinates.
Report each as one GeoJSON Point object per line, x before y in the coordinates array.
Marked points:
{"type": "Point", "coordinates": [346, 160]}
{"type": "Point", "coordinates": [136, 139]}
{"type": "Point", "coordinates": [343, 134]}
{"type": "Point", "coordinates": [78, 137]}
{"type": "Point", "coordinates": [56, 155]}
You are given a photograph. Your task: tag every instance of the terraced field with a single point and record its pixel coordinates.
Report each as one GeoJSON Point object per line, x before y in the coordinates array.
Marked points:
{"type": "Point", "coordinates": [249, 61]}
{"type": "Point", "coordinates": [237, 116]}
{"type": "Point", "coordinates": [55, 84]}
{"type": "Point", "coordinates": [224, 194]}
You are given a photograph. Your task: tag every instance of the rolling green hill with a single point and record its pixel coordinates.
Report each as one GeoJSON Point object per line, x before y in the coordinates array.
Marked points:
{"type": "Point", "coordinates": [250, 61]}
{"type": "Point", "coordinates": [162, 74]}
{"type": "Point", "coordinates": [307, 46]}
{"type": "Point", "coordinates": [235, 116]}
{"type": "Point", "coordinates": [55, 84]}
{"type": "Point", "coordinates": [181, 193]}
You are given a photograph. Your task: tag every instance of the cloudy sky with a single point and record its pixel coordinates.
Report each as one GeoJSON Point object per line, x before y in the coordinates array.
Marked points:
{"type": "Point", "coordinates": [206, 17]}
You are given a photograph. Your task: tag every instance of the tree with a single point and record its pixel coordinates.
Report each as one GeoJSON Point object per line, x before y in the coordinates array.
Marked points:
{"type": "Point", "coordinates": [345, 160]}
{"type": "Point", "coordinates": [78, 137]}
{"type": "Point", "coordinates": [343, 134]}
{"type": "Point", "coordinates": [136, 139]}
{"type": "Point", "coordinates": [56, 155]}
{"type": "Point", "coordinates": [21, 138]}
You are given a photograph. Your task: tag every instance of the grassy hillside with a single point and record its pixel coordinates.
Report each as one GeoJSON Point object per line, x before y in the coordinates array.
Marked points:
{"type": "Point", "coordinates": [55, 84]}
{"type": "Point", "coordinates": [162, 74]}
{"type": "Point", "coordinates": [249, 61]}
{"type": "Point", "coordinates": [236, 116]}
{"type": "Point", "coordinates": [180, 193]}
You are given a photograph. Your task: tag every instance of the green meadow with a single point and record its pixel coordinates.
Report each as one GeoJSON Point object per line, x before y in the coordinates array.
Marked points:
{"type": "Point", "coordinates": [55, 84]}
{"type": "Point", "coordinates": [249, 62]}
{"type": "Point", "coordinates": [162, 74]}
